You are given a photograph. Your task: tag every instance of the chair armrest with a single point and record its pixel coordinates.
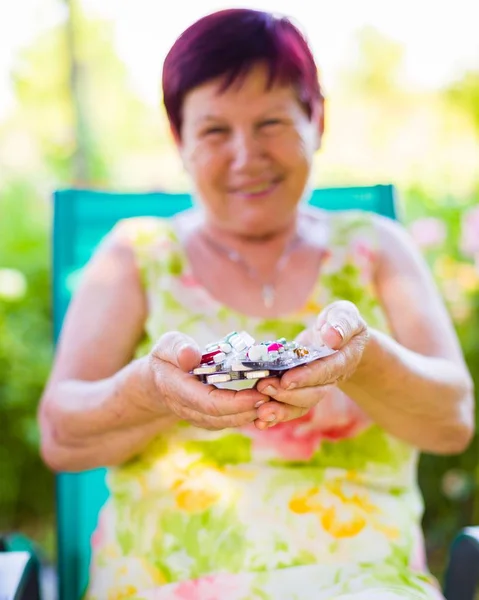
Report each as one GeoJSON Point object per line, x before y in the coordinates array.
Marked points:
{"type": "Point", "coordinates": [462, 573]}
{"type": "Point", "coordinates": [18, 576]}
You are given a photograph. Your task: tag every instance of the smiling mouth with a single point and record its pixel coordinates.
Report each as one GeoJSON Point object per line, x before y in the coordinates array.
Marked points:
{"type": "Point", "coordinates": [256, 191]}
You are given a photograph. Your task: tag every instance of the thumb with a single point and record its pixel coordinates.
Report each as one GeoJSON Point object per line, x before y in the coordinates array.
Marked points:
{"type": "Point", "coordinates": [178, 349]}
{"type": "Point", "coordinates": [338, 324]}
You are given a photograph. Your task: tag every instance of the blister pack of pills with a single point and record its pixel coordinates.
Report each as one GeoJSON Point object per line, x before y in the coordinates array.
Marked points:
{"type": "Point", "coordinates": [240, 356]}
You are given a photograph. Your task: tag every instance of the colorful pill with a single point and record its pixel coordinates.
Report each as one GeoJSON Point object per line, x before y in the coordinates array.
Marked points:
{"type": "Point", "coordinates": [218, 378]}
{"type": "Point", "coordinates": [257, 352]}
{"type": "Point", "coordinates": [274, 347]}
{"type": "Point", "coordinates": [256, 374]}
{"type": "Point", "coordinates": [209, 356]}
{"type": "Point", "coordinates": [219, 357]}
{"type": "Point", "coordinates": [205, 370]}
{"type": "Point", "coordinates": [247, 338]}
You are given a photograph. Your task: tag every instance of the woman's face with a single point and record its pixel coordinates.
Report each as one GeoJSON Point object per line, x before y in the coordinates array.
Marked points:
{"type": "Point", "coordinates": [249, 152]}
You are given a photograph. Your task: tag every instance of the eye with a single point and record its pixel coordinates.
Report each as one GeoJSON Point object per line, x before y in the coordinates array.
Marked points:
{"type": "Point", "coordinates": [215, 131]}
{"type": "Point", "coordinates": [271, 125]}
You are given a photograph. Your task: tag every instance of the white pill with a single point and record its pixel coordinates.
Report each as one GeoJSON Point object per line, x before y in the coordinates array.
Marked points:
{"type": "Point", "coordinates": [218, 378]}
{"type": "Point", "coordinates": [255, 374]}
{"type": "Point", "coordinates": [225, 347]}
{"type": "Point", "coordinates": [238, 344]}
{"type": "Point", "coordinates": [206, 370]}
{"type": "Point", "coordinates": [248, 339]}
{"type": "Point", "coordinates": [256, 353]}
{"type": "Point", "coordinates": [211, 347]}
{"type": "Point", "coordinates": [218, 358]}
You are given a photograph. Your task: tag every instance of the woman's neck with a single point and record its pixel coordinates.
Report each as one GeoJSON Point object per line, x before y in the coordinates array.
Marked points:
{"type": "Point", "coordinates": [263, 248]}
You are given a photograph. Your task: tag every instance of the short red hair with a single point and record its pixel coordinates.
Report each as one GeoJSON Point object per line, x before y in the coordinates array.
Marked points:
{"type": "Point", "coordinates": [229, 43]}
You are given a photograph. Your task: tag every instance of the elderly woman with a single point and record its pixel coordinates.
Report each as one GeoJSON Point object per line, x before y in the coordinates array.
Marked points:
{"type": "Point", "coordinates": [304, 486]}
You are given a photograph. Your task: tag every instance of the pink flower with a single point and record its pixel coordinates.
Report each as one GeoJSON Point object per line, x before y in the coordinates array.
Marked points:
{"type": "Point", "coordinates": [365, 256]}
{"type": "Point", "coordinates": [470, 233]}
{"type": "Point", "coordinates": [98, 535]}
{"type": "Point", "coordinates": [428, 232]}
{"type": "Point", "coordinates": [212, 587]}
{"type": "Point", "coordinates": [188, 280]}
{"type": "Point", "coordinates": [418, 557]}
{"type": "Point", "coordinates": [335, 418]}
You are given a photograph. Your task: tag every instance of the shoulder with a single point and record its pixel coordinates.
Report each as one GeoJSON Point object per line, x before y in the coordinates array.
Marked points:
{"type": "Point", "coordinates": [123, 252]}
{"type": "Point", "coordinates": [137, 238]}
{"type": "Point", "coordinates": [384, 235]}
{"type": "Point", "coordinates": [346, 221]}
{"type": "Point", "coordinates": [395, 243]}
{"type": "Point", "coordinates": [140, 231]}
{"type": "Point", "coordinates": [345, 229]}
{"type": "Point", "coordinates": [385, 243]}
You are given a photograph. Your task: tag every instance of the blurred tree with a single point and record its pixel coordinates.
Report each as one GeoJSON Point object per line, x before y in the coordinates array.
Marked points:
{"type": "Point", "coordinates": [76, 104]}
{"type": "Point", "coordinates": [464, 94]}
{"type": "Point", "coordinates": [377, 69]}
{"type": "Point", "coordinates": [80, 159]}
{"type": "Point", "coordinates": [48, 128]}
{"type": "Point", "coordinates": [26, 487]}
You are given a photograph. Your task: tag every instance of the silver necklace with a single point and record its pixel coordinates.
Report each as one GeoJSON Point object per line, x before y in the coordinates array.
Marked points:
{"type": "Point", "coordinates": [268, 288]}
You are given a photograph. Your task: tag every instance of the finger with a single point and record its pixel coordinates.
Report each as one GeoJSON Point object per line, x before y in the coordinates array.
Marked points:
{"type": "Point", "coordinates": [221, 402]}
{"type": "Point", "coordinates": [178, 349]}
{"type": "Point", "coordinates": [322, 372]}
{"type": "Point", "coordinates": [178, 388]}
{"type": "Point", "coordinates": [215, 423]}
{"type": "Point", "coordinates": [274, 412]}
{"type": "Point", "coordinates": [268, 382]}
{"type": "Point", "coordinates": [302, 397]}
{"type": "Point", "coordinates": [338, 324]}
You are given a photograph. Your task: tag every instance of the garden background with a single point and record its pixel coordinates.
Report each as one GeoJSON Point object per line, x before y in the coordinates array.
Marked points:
{"type": "Point", "coordinates": [77, 108]}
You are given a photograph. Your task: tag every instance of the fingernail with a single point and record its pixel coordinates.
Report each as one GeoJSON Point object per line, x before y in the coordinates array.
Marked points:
{"type": "Point", "coordinates": [271, 417]}
{"type": "Point", "coordinates": [292, 386]}
{"type": "Point", "coordinates": [339, 329]}
{"type": "Point", "coordinates": [259, 403]}
{"type": "Point", "coordinates": [270, 390]}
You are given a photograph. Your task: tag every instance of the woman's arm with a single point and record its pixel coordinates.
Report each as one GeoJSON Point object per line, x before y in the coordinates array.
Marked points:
{"type": "Point", "coordinates": [100, 407]}
{"type": "Point", "coordinates": [97, 406]}
{"type": "Point", "coordinates": [416, 385]}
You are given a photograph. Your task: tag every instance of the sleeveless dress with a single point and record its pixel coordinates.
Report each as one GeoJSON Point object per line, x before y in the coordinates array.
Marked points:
{"type": "Point", "coordinates": [323, 507]}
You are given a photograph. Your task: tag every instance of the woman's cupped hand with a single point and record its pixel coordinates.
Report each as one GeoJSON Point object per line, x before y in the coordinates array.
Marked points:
{"type": "Point", "coordinates": [340, 327]}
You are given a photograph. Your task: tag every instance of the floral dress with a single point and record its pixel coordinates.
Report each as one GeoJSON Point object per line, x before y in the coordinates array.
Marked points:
{"type": "Point", "coordinates": [323, 507]}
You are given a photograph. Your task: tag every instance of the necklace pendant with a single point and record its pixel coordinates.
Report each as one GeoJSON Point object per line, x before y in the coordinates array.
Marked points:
{"type": "Point", "coordinates": [268, 294]}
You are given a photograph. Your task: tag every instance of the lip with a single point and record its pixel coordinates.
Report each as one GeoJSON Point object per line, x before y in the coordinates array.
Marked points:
{"type": "Point", "coordinates": [248, 191]}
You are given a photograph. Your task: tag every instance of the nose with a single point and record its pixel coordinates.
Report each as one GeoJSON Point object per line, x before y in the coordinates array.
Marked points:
{"type": "Point", "coordinates": [246, 150]}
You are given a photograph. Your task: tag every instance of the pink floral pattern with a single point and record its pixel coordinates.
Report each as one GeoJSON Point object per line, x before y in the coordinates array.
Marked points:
{"type": "Point", "coordinates": [335, 418]}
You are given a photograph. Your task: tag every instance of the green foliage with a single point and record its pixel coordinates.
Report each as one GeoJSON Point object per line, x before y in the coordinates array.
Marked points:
{"type": "Point", "coordinates": [450, 483]}
{"type": "Point", "coordinates": [380, 131]}
{"type": "Point", "coordinates": [464, 94]}
{"type": "Point", "coordinates": [378, 65]}
{"type": "Point", "coordinates": [26, 491]}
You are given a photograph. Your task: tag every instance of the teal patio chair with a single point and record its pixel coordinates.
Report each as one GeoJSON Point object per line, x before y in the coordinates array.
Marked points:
{"type": "Point", "coordinates": [81, 219]}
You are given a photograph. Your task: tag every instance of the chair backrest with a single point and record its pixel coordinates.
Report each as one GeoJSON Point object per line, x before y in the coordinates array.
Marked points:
{"type": "Point", "coordinates": [81, 219]}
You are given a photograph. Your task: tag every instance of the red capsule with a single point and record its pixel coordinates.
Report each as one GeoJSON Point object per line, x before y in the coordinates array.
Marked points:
{"type": "Point", "coordinates": [206, 358]}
